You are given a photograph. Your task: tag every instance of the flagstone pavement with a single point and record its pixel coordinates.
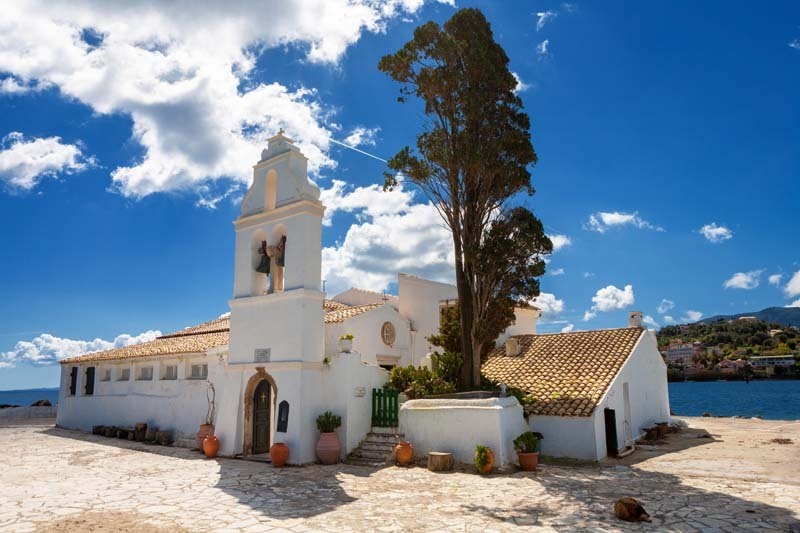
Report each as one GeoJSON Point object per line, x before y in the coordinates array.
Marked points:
{"type": "Point", "coordinates": [59, 480]}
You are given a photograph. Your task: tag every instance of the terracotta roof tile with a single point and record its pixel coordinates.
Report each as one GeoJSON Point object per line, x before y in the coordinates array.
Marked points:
{"type": "Point", "coordinates": [566, 373]}
{"type": "Point", "coordinates": [340, 315]}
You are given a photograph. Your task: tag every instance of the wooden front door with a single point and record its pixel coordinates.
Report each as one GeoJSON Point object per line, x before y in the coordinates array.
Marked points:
{"type": "Point", "coordinates": [261, 403]}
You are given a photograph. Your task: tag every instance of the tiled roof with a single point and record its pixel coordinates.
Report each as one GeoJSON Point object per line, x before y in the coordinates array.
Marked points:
{"type": "Point", "coordinates": [340, 315]}
{"type": "Point", "coordinates": [170, 345]}
{"type": "Point", "coordinates": [204, 336]}
{"type": "Point", "coordinates": [566, 373]}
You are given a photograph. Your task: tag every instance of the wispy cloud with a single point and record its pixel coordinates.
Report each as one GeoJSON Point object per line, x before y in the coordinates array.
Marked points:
{"type": "Point", "coordinates": [521, 85]}
{"type": "Point", "coordinates": [665, 306]}
{"type": "Point", "coordinates": [542, 17]}
{"type": "Point", "coordinates": [602, 221]}
{"type": "Point", "coordinates": [794, 43]}
{"type": "Point", "coordinates": [650, 321]}
{"type": "Point", "coordinates": [744, 280]}
{"type": "Point", "coordinates": [557, 272]}
{"type": "Point", "coordinates": [668, 319]}
{"type": "Point", "coordinates": [775, 279]}
{"type": "Point", "coordinates": [568, 328]}
{"type": "Point", "coordinates": [362, 136]}
{"type": "Point", "coordinates": [691, 316]}
{"type": "Point", "coordinates": [24, 162]}
{"type": "Point", "coordinates": [543, 48]}
{"type": "Point", "coordinates": [714, 233]}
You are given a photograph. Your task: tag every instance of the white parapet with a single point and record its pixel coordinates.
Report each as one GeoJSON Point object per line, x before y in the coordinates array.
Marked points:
{"type": "Point", "coordinates": [457, 425]}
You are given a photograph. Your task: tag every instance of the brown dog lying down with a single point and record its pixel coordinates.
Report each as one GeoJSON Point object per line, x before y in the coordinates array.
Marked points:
{"type": "Point", "coordinates": [630, 510]}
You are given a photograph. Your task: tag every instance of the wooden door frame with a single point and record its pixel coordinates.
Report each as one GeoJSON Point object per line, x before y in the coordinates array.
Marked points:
{"type": "Point", "coordinates": [247, 400]}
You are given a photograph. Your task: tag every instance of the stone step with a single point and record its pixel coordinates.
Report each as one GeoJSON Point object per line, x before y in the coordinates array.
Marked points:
{"type": "Point", "coordinates": [385, 431]}
{"type": "Point", "coordinates": [365, 462]}
{"type": "Point", "coordinates": [377, 446]}
{"type": "Point", "coordinates": [383, 437]}
{"type": "Point", "coordinates": [373, 455]}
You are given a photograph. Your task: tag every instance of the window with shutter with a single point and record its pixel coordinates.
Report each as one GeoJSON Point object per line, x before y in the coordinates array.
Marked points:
{"type": "Point", "coordinates": [89, 388]}
{"type": "Point", "coordinates": [73, 380]}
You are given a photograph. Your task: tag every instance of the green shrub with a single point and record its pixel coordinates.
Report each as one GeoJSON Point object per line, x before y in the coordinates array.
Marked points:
{"type": "Point", "coordinates": [346, 337]}
{"type": "Point", "coordinates": [481, 456]}
{"type": "Point", "coordinates": [327, 422]}
{"type": "Point", "coordinates": [418, 382]}
{"type": "Point", "coordinates": [526, 443]}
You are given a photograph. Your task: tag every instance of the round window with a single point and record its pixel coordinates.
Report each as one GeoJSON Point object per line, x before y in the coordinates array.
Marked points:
{"type": "Point", "coordinates": [387, 333]}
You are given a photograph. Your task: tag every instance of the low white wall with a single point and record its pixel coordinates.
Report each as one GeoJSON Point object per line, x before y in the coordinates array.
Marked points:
{"type": "Point", "coordinates": [566, 436]}
{"type": "Point", "coordinates": [457, 426]}
{"type": "Point", "coordinates": [22, 413]}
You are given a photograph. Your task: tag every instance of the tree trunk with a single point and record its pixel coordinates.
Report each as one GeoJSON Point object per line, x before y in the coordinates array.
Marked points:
{"type": "Point", "coordinates": [466, 319]}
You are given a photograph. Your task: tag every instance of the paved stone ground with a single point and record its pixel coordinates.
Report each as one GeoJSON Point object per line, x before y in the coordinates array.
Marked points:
{"type": "Point", "coordinates": [58, 480]}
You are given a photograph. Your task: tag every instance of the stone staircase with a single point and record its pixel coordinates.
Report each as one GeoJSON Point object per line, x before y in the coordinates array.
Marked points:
{"type": "Point", "coordinates": [377, 449]}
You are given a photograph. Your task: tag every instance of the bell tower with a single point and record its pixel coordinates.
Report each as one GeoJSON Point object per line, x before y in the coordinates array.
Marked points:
{"type": "Point", "coordinates": [276, 310]}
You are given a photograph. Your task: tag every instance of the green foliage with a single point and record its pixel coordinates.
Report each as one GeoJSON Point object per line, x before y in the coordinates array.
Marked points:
{"type": "Point", "coordinates": [346, 337]}
{"type": "Point", "coordinates": [449, 336]}
{"type": "Point", "coordinates": [481, 456]}
{"type": "Point", "coordinates": [418, 382]}
{"type": "Point", "coordinates": [474, 156]}
{"type": "Point", "coordinates": [327, 422]}
{"type": "Point", "coordinates": [526, 443]}
{"type": "Point", "coordinates": [447, 366]}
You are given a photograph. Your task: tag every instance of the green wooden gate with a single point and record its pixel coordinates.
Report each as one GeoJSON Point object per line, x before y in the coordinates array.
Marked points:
{"type": "Point", "coordinates": [385, 407]}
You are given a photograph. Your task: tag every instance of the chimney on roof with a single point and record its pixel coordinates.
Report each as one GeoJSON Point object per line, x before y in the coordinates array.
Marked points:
{"type": "Point", "coordinates": [635, 319]}
{"type": "Point", "coordinates": [512, 347]}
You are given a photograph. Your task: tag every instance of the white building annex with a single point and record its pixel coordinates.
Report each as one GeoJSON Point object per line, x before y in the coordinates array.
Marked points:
{"type": "Point", "coordinates": [278, 351]}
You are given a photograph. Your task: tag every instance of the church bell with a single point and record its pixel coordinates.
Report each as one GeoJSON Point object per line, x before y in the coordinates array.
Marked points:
{"type": "Point", "coordinates": [263, 266]}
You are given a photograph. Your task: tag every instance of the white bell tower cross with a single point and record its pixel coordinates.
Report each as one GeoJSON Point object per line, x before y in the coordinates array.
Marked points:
{"type": "Point", "coordinates": [278, 316]}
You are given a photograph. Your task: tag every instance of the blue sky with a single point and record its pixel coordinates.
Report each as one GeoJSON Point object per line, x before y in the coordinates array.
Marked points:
{"type": "Point", "coordinates": [127, 148]}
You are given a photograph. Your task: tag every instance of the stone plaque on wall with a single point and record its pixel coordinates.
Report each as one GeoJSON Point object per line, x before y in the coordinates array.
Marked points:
{"type": "Point", "coordinates": [262, 355]}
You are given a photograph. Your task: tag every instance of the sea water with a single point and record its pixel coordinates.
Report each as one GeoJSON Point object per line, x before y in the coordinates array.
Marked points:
{"type": "Point", "coordinates": [28, 396]}
{"type": "Point", "coordinates": [769, 399]}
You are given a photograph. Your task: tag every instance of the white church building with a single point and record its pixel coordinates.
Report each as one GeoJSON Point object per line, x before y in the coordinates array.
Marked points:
{"type": "Point", "coordinates": [275, 362]}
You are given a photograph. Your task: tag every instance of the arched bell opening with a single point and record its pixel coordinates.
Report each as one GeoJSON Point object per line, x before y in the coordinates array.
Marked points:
{"type": "Point", "coordinates": [259, 263]}
{"type": "Point", "coordinates": [278, 242]}
{"type": "Point", "coordinates": [259, 401]}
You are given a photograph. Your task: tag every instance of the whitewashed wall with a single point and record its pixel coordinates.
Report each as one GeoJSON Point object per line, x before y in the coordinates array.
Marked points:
{"type": "Point", "coordinates": [179, 405]}
{"type": "Point", "coordinates": [366, 328]}
{"type": "Point", "coordinates": [646, 375]}
{"type": "Point", "coordinates": [457, 426]}
{"type": "Point", "coordinates": [419, 302]}
{"type": "Point", "coordinates": [566, 436]}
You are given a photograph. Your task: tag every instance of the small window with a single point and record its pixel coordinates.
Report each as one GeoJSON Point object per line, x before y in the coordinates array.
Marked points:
{"type": "Point", "coordinates": [88, 388]}
{"type": "Point", "coordinates": [73, 380]}
{"type": "Point", "coordinates": [106, 375]}
{"type": "Point", "coordinates": [170, 372]}
{"type": "Point", "coordinates": [124, 374]}
{"type": "Point", "coordinates": [145, 373]}
{"type": "Point", "coordinates": [200, 371]}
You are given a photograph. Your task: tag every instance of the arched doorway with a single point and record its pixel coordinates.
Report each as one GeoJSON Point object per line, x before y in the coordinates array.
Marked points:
{"type": "Point", "coordinates": [259, 406]}
{"type": "Point", "coordinates": [261, 417]}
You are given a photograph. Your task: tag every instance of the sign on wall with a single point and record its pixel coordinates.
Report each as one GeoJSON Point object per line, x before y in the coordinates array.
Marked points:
{"type": "Point", "coordinates": [262, 355]}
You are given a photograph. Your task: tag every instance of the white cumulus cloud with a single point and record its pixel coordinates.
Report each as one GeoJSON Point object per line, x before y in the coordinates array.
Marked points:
{"type": "Point", "coordinates": [665, 306]}
{"type": "Point", "coordinates": [521, 85]}
{"type": "Point", "coordinates": [559, 242]}
{"type": "Point", "coordinates": [361, 136]}
{"type": "Point", "coordinates": [548, 304]}
{"type": "Point", "coordinates": [795, 303]}
{"type": "Point", "coordinates": [602, 221]}
{"type": "Point", "coordinates": [775, 279]}
{"type": "Point", "coordinates": [714, 233]}
{"type": "Point", "coordinates": [183, 72]}
{"type": "Point", "coordinates": [25, 162]}
{"type": "Point", "coordinates": [744, 280]}
{"type": "Point", "coordinates": [792, 288]}
{"type": "Point", "coordinates": [650, 321]}
{"type": "Point", "coordinates": [691, 316]}
{"type": "Point", "coordinates": [47, 349]}
{"type": "Point", "coordinates": [610, 298]}
{"type": "Point", "coordinates": [543, 47]}
{"type": "Point", "coordinates": [557, 272]}
{"type": "Point", "coordinates": [668, 319]}
{"type": "Point", "coordinates": [568, 328]}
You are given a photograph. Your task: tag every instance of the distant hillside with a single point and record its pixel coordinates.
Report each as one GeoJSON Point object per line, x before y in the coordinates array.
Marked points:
{"type": "Point", "coordinates": [785, 316]}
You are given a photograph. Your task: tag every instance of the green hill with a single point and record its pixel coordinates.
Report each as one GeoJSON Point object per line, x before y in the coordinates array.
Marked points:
{"type": "Point", "coordinates": [785, 316]}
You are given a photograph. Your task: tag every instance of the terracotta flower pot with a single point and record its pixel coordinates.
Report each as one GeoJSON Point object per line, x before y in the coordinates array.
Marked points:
{"type": "Point", "coordinates": [487, 468]}
{"type": "Point", "coordinates": [279, 453]}
{"type": "Point", "coordinates": [404, 453]}
{"type": "Point", "coordinates": [211, 446]}
{"type": "Point", "coordinates": [328, 448]}
{"type": "Point", "coordinates": [528, 461]}
{"type": "Point", "coordinates": [205, 430]}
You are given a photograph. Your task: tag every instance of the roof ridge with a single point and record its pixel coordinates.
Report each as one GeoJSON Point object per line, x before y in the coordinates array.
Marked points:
{"type": "Point", "coordinates": [576, 332]}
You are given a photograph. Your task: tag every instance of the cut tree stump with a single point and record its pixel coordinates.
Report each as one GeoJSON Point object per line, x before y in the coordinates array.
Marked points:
{"type": "Point", "coordinates": [440, 461]}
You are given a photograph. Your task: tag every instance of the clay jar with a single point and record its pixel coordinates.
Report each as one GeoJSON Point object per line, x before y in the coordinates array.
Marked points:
{"type": "Point", "coordinates": [328, 448]}
{"type": "Point", "coordinates": [211, 446]}
{"type": "Point", "coordinates": [279, 453]}
{"type": "Point", "coordinates": [404, 453]}
{"type": "Point", "coordinates": [205, 430]}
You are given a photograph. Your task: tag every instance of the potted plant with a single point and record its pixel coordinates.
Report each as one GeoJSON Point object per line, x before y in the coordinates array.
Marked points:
{"type": "Point", "coordinates": [527, 453]}
{"type": "Point", "coordinates": [346, 343]}
{"type": "Point", "coordinates": [328, 448]}
{"type": "Point", "coordinates": [207, 428]}
{"type": "Point", "coordinates": [484, 459]}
